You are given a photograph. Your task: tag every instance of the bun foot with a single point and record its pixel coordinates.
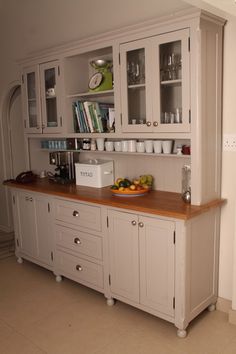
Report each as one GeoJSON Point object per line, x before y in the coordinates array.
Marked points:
{"type": "Point", "coordinates": [181, 333]}
{"type": "Point", "coordinates": [211, 307]}
{"type": "Point", "coordinates": [110, 302]}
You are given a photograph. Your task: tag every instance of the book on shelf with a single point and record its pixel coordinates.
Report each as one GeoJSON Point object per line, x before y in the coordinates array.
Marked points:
{"type": "Point", "coordinates": [93, 117]}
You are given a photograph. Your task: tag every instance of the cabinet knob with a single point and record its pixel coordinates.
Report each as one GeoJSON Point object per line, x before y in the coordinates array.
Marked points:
{"type": "Point", "coordinates": [141, 224]}
{"type": "Point", "coordinates": [75, 213]}
{"type": "Point", "coordinates": [148, 123]}
{"type": "Point", "coordinates": [155, 124]}
{"type": "Point", "coordinates": [133, 222]}
{"type": "Point", "coordinates": [79, 268]}
{"type": "Point", "coordinates": [77, 241]}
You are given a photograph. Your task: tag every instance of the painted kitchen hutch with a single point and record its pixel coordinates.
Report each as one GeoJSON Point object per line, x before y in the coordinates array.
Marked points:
{"type": "Point", "coordinates": [153, 252]}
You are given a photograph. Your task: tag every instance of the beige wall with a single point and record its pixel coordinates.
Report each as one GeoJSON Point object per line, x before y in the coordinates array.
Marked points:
{"type": "Point", "coordinates": [30, 25]}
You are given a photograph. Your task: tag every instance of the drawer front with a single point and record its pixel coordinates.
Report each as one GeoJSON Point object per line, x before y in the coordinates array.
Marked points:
{"type": "Point", "coordinates": [79, 269]}
{"type": "Point", "coordinates": [78, 214]}
{"type": "Point", "coordinates": [79, 241]}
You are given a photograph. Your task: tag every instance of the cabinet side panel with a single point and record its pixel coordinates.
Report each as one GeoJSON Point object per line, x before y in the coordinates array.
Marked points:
{"type": "Point", "coordinates": [211, 112]}
{"type": "Point", "coordinates": [202, 246]}
{"type": "Point", "coordinates": [206, 157]}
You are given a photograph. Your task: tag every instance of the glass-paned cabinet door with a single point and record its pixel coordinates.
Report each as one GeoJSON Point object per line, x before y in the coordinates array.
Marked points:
{"type": "Point", "coordinates": [135, 92]}
{"type": "Point", "coordinates": [171, 103]}
{"type": "Point", "coordinates": [50, 87]}
{"type": "Point", "coordinates": [31, 100]}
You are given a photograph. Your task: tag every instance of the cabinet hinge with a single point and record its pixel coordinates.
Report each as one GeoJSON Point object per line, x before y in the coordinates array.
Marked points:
{"type": "Point", "coordinates": [25, 123]}
{"type": "Point", "coordinates": [189, 44]}
{"type": "Point", "coordinates": [173, 302]}
{"type": "Point", "coordinates": [22, 79]}
{"type": "Point", "coordinates": [61, 121]}
{"type": "Point", "coordinates": [174, 238]}
{"type": "Point", "coordinates": [189, 116]}
{"type": "Point", "coordinates": [121, 118]}
{"type": "Point", "coordinates": [58, 70]}
{"type": "Point", "coordinates": [107, 221]}
{"type": "Point", "coordinates": [119, 58]}
{"type": "Point", "coordinates": [17, 242]}
{"type": "Point", "coordinates": [49, 208]}
{"type": "Point", "coordinates": [14, 200]}
{"type": "Point", "coordinates": [109, 279]}
{"type": "Point", "coordinates": [52, 256]}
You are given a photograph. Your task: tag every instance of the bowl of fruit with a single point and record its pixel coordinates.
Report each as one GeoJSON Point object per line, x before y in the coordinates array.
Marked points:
{"type": "Point", "coordinates": [126, 187]}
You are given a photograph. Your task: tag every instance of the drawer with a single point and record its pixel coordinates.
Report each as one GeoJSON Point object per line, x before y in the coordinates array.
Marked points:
{"type": "Point", "coordinates": [79, 241]}
{"type": "Point", "coordinates": [78, 214]}
{"type": "Point", "coordinates": [79, 269]}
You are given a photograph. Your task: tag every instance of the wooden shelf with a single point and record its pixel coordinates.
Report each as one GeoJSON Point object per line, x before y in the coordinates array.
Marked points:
{"type": "Point", "coordinates": [171, 82]}
{"type": "Point", "coordinates": [92, 94]}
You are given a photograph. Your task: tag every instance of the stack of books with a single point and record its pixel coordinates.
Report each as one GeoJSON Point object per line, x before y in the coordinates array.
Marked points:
{"type": "Point", "coordinates": [93, 117]}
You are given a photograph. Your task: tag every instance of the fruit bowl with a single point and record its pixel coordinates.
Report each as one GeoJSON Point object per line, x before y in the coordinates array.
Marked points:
{"type": "Point", "coordinates": [129, 193]}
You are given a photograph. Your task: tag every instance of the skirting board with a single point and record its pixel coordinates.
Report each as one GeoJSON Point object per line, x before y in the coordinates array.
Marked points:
{"type": "Point", "coordinates": [225, 305]}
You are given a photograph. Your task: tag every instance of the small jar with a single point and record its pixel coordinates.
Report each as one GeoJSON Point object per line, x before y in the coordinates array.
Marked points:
{"type": "Point", "coordinates": [93, 145]}
{"type": "Point", "coordinates": [86, 144]}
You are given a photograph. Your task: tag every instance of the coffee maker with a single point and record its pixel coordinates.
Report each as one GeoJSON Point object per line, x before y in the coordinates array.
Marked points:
{"type": "Point", "coordinates": [64, 162]}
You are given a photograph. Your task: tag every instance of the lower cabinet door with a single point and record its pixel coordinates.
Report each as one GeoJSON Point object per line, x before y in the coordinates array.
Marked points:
{"type": "Point", "coordinates": [79, 269]}
{"type": "Point", "coordinates": [124, 254]}
{"type": "Point", "coordinates": [157, 255]}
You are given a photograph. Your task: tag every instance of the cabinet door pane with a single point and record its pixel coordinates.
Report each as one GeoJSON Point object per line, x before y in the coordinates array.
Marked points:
{"type": "Point", "coordinates": [172, 85]}
{"type": "Point", "coordinates": [171, 82]}
{"type": "Point", "coordinates": [136, 94]}
{"type": "Point", "coordinates": [31, 98]}
{"type": "Point", "coordinates": [136, 86]}
{"type": "Point", "coordinates": [50, 97]}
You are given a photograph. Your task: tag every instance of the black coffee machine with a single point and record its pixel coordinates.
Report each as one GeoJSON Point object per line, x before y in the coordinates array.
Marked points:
{"type": "Point", "coordinates": [65, 168]}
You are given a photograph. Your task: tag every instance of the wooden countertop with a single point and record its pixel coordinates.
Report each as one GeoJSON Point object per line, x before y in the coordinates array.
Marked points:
{"type": "Point", "coordinates": [155, 202]}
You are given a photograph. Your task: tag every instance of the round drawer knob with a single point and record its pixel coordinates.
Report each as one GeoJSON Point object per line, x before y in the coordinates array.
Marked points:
{"type": "Point", "coordinates": [148, 123]}
{"type": "Point", "coordinates": [141, 224]}
{"type": "Point", "coordinates": [155, 124]}
{"type": "Point", "coordinates": [133, 222]}
{"type": "Point", "coordinates": [79, 268]}
{"type": "Point", "coordinates": [77, 241]}
{"type": "Point", "coordinates": [75, 213]}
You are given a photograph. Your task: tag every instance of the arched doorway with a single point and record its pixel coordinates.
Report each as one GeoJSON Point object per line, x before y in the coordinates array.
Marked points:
{"type": "Point", "coordinates": [12, 149]}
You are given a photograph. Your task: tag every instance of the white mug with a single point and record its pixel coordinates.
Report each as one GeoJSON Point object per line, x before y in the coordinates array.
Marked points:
{"type": "Point", "coordinates": [140, 146]}
{"type": "Point", "coordinates": [167, 146]}
{"type": "Point", "coordinates": [109, 145]}
{"type": "Point", "coordinates": [117, 145]}
{"type": "Point", "coordinates": [100, 144]}
{"type": "Point", "coordinates": [132, 145]}
{"type": "Point", "coordinates": [124, 145]}
{"type": "Point", "coordinates": [148, 146]}
{"type": "Point", "coordinates": [157, 144]}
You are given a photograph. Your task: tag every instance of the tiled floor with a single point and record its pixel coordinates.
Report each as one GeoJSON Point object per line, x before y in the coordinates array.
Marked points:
{"type": "Point", "coordinates": [38, 315]}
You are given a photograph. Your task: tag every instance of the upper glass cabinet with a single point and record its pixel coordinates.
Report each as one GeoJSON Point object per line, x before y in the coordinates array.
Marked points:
{"type": "Point", "coordinates": [155, 84]}
{"type": "Point", "coordinates": [41, 85]}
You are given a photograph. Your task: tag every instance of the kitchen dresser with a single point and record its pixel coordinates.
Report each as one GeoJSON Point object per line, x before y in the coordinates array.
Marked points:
{"type": "Point", "coordinates": [153, 252]}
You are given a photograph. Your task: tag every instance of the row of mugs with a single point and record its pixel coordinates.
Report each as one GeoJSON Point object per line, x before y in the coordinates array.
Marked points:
{"type": "Point", "coordinates": [148, 146]}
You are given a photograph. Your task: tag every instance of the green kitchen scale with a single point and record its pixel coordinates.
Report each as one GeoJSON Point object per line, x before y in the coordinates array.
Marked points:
{"type": "Point", "coordinates": [102, 79]}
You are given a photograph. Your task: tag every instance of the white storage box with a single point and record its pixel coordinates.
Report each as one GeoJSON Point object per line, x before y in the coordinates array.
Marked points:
{"type": "Point", "coordinates": [94, 173]}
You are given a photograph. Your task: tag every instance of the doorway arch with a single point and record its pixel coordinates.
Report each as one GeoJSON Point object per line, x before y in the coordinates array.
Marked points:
{"type": "Point", "coordinates": [12, 148]}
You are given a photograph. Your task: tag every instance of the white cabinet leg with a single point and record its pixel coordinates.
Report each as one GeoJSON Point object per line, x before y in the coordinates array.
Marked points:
{"type": "Point", "coordinates": [110, 302]}
{"type": "Point", "coordinates": [181, 333]}
{"type": "Point", "coordinates": [211, 307]}
{"type": "Point", "coordinates": [20, 260]}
